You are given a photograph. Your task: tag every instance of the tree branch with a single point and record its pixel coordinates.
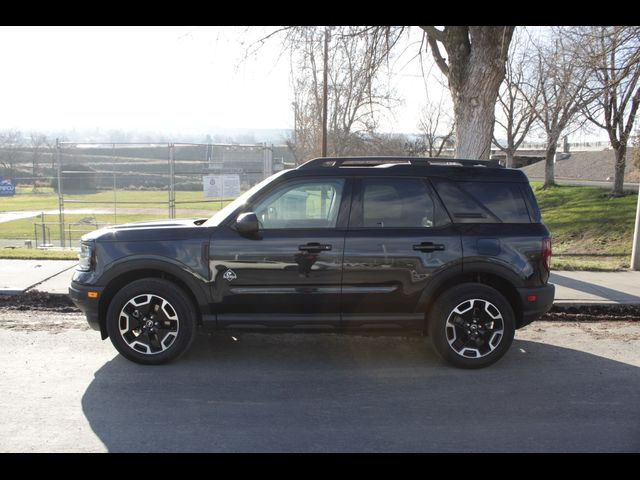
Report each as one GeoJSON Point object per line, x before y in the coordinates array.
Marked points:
{"type": "Point", "coordinates": [434, 32]}
{"type": "Point", "coordinates": [437, 56]}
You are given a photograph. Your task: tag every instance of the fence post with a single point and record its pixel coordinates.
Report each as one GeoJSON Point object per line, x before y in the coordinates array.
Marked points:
{"type": "Point", "coordinates": [60, 194]}
{"type": "Point", "coordinates": [172, 182]}
{"type": "Point", "coordinates": [267, 160]}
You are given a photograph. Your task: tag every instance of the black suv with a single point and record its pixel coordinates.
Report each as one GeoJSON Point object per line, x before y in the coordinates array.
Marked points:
{"type": "Point", "coordinates": [452, 248]}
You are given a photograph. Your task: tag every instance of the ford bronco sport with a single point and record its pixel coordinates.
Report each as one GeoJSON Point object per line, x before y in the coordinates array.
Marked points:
{"type": "Point", "coordinates": [452, 248]}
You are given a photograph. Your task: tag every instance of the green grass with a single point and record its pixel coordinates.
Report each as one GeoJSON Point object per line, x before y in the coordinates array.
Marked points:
{"type": "Point", "coordinates": [37, 254]}
{"type": "Point", "coordinates": [585, 220]}
{"type": "Point", "coordinates": [46, 199]}
{"type": "Point", "coordinates": [24, 230]}
{"type": "Point", "coordinates": [590, 263]}
{"type": "Point", "coordinates": [581, 219]}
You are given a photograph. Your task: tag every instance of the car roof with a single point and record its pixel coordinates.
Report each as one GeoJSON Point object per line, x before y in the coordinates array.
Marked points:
{"type": "Point", "coordinates": [450, 168]}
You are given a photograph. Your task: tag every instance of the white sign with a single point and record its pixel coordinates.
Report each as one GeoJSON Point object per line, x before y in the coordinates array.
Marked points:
{"type": "Point", "coordinates": [221, 186]}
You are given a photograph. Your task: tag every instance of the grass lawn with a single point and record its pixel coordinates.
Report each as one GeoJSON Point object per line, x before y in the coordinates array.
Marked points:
{"type": "Point", "coordinates": [46, 199]}
{"type": "Point", "coordinates": [24, 230]}
{"type": "Point", "coordinates": [38, 254]}
{"type": "Point", "coordinates": [583, 220]}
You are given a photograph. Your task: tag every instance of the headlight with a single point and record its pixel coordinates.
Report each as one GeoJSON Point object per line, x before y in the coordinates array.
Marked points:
{"type": "Point", "coordinates": [85, 257]}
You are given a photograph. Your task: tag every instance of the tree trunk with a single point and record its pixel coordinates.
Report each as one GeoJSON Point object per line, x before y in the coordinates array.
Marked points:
{"type": "Point", "coordinates": [549, 167]}
{"type": "Point", "coordinates": [618, 178]}
{"type": "Point", "coordinates": [475, 68]}
{"type": "Point", "coordinates": [474, 109]}
{"type": "Point", "coordinates": [509, 160]}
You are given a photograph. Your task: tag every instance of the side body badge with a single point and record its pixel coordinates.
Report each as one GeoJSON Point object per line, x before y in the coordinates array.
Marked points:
{"type": "Point", "coordinates": [229, 275]}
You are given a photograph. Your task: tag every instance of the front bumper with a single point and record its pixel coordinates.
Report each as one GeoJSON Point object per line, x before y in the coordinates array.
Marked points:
{"type": "Point", "coordinates": [534, 309]}
{"type": "Point", "coordinates": [89, 306]}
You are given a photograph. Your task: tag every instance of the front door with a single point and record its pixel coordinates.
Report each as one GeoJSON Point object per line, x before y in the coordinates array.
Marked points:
{"type": "Point", "coordinates": [289, 274]}
{"type": "Point", "coordinates": [399, 238]}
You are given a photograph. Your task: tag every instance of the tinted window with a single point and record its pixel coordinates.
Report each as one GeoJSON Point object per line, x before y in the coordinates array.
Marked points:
{"type": "Point", "coordinates": [461, 207]}
{"type": "Point", "coordinates": [483, 202]}
{"type": "Point", "coordinates": [397, 202]}
{"type": "Point", "coordinates": [504, 200]}
{"type": "Point", "coordinates": [532, 205]}
{"type": "Point", "coordinates": [303, 204]}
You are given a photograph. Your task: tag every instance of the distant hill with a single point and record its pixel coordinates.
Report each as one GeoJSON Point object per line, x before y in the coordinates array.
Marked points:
{"type": "Point", "coordinates": [597, 166]}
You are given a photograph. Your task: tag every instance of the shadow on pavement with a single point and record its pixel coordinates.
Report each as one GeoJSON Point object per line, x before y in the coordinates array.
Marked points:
{"type": "Point", "coordinates": [592, 289]}
{"type": "Point", "coordinates": [324, 392]}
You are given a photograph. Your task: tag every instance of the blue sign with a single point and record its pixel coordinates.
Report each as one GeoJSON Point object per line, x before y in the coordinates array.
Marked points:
{"type": "Point", "coordinates": [7, 188]}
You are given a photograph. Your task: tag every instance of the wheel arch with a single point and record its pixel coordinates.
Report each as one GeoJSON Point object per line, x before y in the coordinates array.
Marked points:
{"type": "Point", "coordinates": [118, 278]}
{"type": "Point", "coordinates": [503, 285]}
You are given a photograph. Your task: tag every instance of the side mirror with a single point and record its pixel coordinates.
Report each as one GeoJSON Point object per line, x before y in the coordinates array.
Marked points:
{"type": "Point", "coordinates": [247, 223]}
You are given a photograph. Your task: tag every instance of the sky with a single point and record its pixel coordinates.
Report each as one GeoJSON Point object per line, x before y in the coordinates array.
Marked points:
{"type": "Point", "coordinates": [165, 79]}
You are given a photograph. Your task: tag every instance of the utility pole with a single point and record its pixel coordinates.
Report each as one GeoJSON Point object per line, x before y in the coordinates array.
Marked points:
{"type": "Point", "coordinates": [635, 252]}
{"type": "Point", "coordinates": [325, 91]}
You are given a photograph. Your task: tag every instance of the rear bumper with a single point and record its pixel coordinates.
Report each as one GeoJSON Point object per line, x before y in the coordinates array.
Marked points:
{"type": "Point", "coordinates": [534, 309]}
{"type": "Point", "coordinates": [89, 306]}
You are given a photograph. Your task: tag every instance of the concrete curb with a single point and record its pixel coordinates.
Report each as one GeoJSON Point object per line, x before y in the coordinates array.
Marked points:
{"type": "Point", "coordinates": [49, 278]}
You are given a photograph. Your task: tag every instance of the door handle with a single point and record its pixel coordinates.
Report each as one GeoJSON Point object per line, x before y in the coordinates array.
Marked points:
{"type": "Point", "coordinates": [428, 247]}
{"type": "Point", "coordinates": [314, 247]}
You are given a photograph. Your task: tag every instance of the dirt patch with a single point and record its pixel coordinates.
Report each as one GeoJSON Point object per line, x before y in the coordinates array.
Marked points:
{"type": "Point", "coordinates": [25, 312]}
{"type": "Point", "coordinates": [41, 321]}
{"type": "Point", "coordinates": [40, 311]}
{"type": "Point", "coordinates": [594, 313]}
{"type": "Point", "coordinates": [36, 300]}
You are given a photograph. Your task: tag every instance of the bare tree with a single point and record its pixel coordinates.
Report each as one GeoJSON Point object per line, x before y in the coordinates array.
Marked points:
{"type": "Point", "coordinates": [386, 144]}
{"type": "Point", "coordinates": [10, 143]}
{"type": "Point", "coordinates": [356, 93]}
{"type": "Point", "coordinates": [51, 148]}
{"type": "Point", "coordinates": [475, 68]}
{"type": "Point", "coordinates": [562, 82]}
{"type": "Point", "coordinates": [517, 100]}
{"type": "Point", "coordinates": [38, 142]}
{"type": "Point", "coordinates": [436, 127]}
{"type": "Point", "coordinates": [613, 56]}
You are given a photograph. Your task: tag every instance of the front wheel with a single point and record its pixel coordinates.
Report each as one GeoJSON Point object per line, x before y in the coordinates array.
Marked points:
{"type": "Point", "coordinates": [471, 325]}
{"type": "Point", "coordinates": [151, 321]}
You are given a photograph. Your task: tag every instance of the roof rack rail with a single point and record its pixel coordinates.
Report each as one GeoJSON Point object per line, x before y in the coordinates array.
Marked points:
{"type": "Point", "coordinates": [329, 162]}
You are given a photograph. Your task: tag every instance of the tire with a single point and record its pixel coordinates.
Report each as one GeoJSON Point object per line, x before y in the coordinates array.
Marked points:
{"type": "Point", "coordinates": [151, 321]}
{"type": "Point", "coordinates": [471, 325]}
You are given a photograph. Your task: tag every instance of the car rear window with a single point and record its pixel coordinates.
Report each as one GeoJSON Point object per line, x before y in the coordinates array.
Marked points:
{"type": "Point", "coordinates": [483, 202]}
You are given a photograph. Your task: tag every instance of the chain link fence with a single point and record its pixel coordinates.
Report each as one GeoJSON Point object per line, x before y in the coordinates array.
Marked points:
{"type": "Point", "coordinates": [74, 188]}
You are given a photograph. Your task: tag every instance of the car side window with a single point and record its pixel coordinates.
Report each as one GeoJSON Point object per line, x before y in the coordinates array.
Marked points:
{"type": "Point", "coordinates": [484, 202]}
{"type": "Point", "coordinates": [302, 204]}
{"type": "Point", "coordinates": [397, 203]}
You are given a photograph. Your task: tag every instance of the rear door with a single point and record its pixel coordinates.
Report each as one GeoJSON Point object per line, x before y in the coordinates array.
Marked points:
{"type": "Point", "coordinates": [399, 238]}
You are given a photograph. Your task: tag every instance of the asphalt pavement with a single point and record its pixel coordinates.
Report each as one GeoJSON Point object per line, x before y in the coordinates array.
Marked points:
{"type": "Point", "coordinates": [562, 387]}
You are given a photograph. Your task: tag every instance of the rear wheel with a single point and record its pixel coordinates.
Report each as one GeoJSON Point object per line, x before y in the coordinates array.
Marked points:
{"type": "Point", "coordinates": [151, 321]}
{"type": "Point", "coordinates": [472, 325]}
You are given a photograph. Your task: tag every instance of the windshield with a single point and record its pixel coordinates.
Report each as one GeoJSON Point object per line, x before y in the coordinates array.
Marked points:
{"type": "Point", "coordinates": [219, 216]}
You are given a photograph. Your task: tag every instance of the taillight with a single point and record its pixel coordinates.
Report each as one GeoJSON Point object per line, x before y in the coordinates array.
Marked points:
{"type": "Point", "coordinates": [546, 252]}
